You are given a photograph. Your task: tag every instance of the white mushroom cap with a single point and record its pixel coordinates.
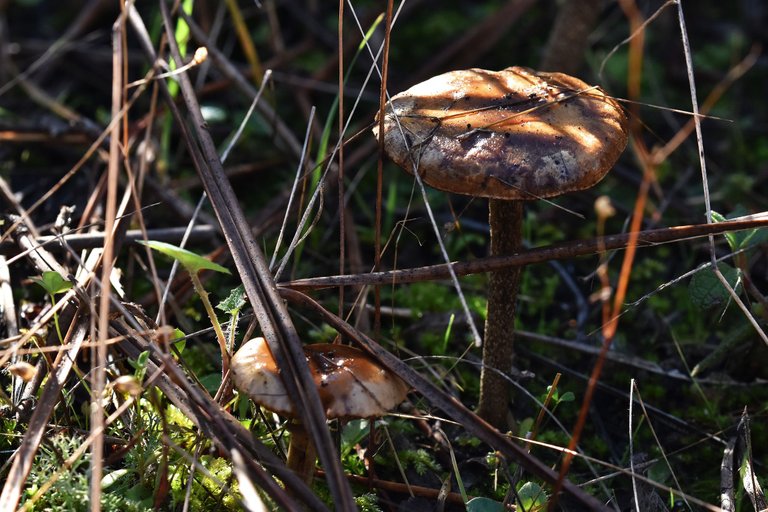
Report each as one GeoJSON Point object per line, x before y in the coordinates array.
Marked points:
{"type": "Point", "coordinates": [511, 134]}
{"type": "Point", "coordinates": [351, 384]}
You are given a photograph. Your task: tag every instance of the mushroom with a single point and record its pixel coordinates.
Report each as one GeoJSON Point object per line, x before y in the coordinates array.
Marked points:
{"type": "Point", "coordinates": [351, 384]}
{"type": "Point", "coordinates": [511, 136]}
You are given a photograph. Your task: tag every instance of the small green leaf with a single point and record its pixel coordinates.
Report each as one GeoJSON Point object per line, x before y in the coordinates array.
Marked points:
{"type": "Point", "coordinates": [139, 493]}
{"type": "Point", "coordinates": [751, 237]}
{"type": "Point", "coordinates": [659, 472]}
{"type": "Point", "coordinates": [354, 432]}
{"type": "Point", "coordinates": [531, 497]}
{"type": "Point", "coordinates": [738, 240]}
{"type": "Point", "coordinates": [706, 290]}
{"type": "Point", "coordinates": [52, 282]}
{"type": "Point", "coordinates": [481, 504]}
{"type": "Point", "coordinates": [234, 302]}
{"type": "Point", "coordinates": [555, 395]}
{"type": "Point", "coordinates": [729, 237]}
{"type": "Point", "coordinates": [140, 365]}
{"type": "Point", "coordinates": [568, 396]}
{"type": "Point", "coordinates": [447, 335]}
{"type": "Point", "coordinates": [179, 339]}
{"type": "Point", "coordinates": [141, 361]}
{"type": "Point", "coordinates": [243, 406]}
{"type": "Point", "coordinates": [211, 382]}
{"type": "Point", "coordinates": [192, 262]}
{"type": "Point", "coordinates": [526, 426]}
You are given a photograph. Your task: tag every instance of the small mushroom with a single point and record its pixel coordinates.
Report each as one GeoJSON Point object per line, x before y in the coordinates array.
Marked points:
{"type": "Point", "coordinates": [22, 370]}
{"type": "Point", "coordinates": [351, 384]}
{"type": "Point", "coordinates": [511, 136]}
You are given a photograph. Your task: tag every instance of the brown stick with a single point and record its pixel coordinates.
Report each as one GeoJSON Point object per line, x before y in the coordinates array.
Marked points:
{"type": "Point", "coordinates": [560, 251]}
{"type": "Point", "coordinates": [399, 487]}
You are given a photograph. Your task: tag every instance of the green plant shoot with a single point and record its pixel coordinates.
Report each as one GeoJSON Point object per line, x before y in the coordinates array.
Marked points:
{"type": "Point", "coordinates": [53, 283]}
{"type": "Point", "coordinates": [193, 264]}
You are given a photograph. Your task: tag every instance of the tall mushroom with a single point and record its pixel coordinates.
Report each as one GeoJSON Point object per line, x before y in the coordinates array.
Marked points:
{"type": "Point", "coordinates": [511, 136]}
{"type": "Point", "coordinates": [351, 384]}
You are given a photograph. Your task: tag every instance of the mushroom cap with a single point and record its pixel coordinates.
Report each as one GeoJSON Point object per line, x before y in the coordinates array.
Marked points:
{"type": "Point", "coordinates": [351, 384]}
{"type": "Point", "coordinates": [511, 134]}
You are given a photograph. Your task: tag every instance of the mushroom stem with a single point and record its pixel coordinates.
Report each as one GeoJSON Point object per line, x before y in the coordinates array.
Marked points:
{"type": "Point", "coordinates": [506, 221]}
{"type": "Point", "coordinates": [301, 453]}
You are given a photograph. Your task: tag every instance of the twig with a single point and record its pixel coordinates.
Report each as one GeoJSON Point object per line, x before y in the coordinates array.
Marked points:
{"type": "Point", "coordinates": [565, 250]}
{"type": "Point", "coordinates": [401, 488]}
{"type": "Point", "coordinates": [93, 239]}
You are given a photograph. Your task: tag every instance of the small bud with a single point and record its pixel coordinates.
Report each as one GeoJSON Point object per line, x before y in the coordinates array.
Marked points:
{"type": "Point", "coordinates": [23, 370]}
{"type": "Point", "coordinates": [200, 55]}
{"type": "Point", "coordinates": [64, 219]}
{"type": "Point", "coordinates": [127, 385]}
{"type": "Point", "coordinates": [147, 149]}
{"type": "Point", "coordinates": [601, 295]}
{"type": "Point", "coordinates": [604, 208]}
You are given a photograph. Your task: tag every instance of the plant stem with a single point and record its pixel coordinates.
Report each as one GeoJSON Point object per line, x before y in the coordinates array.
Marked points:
{"type": "Point", "coordinates": [214, 321]}
{"type": "Point", "coordinates": [56, 319]}
{"type": "Point", "coordinates": [506, 221]}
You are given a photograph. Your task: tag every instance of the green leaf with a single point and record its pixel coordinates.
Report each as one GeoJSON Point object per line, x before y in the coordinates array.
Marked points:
{"type": "Point", "coordinates": [706, 291]}
{"type": "Point", "coordinates": [447, 335]}
{"type": "Point", "coordinates": [526, 426]}
{"type": "Point", "coordinates": [243, 406]}
{"type": "Point", "coordinates": [531, 497]}
{"type": "Point", "coordinates": [181, 35]}
{"type": "Point", "coordinates": [354, 432]}
{"type": "Point", "coordinates": [568, 396]}
{"type": "Point", "coordinates": [234, 302]}
{"type": "Point", "coordinates": [211, 382]}
{"type": "Point", "coordinates": [481, 504]}
{"type": "Point", "coordinates": [738, 240]}
{"type": "Point", "coordinates": [729, 237]}
{"type": "Point", "coordinates": [179, 339]}
{"type": "Point", "coordinates": [192, 262]}
{"type": "Point", "coordinates": [140, 365]}
{"type": "Point", "coordinates": [52, 282]}
{"type": "Point", "coordinates": [141, 362]}
{"type": "Point", "coordinates": [555, 395]}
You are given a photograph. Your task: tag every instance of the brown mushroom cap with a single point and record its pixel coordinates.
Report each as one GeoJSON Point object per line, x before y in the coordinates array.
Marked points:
{"type": "Point", "coordinates": [351, 383]}
{"type": "Point", "coordinates": [510, 134]}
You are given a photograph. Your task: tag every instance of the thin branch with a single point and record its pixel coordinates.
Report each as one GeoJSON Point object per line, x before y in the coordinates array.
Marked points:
{"type": "Point", "coordinates": [558, 251]}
